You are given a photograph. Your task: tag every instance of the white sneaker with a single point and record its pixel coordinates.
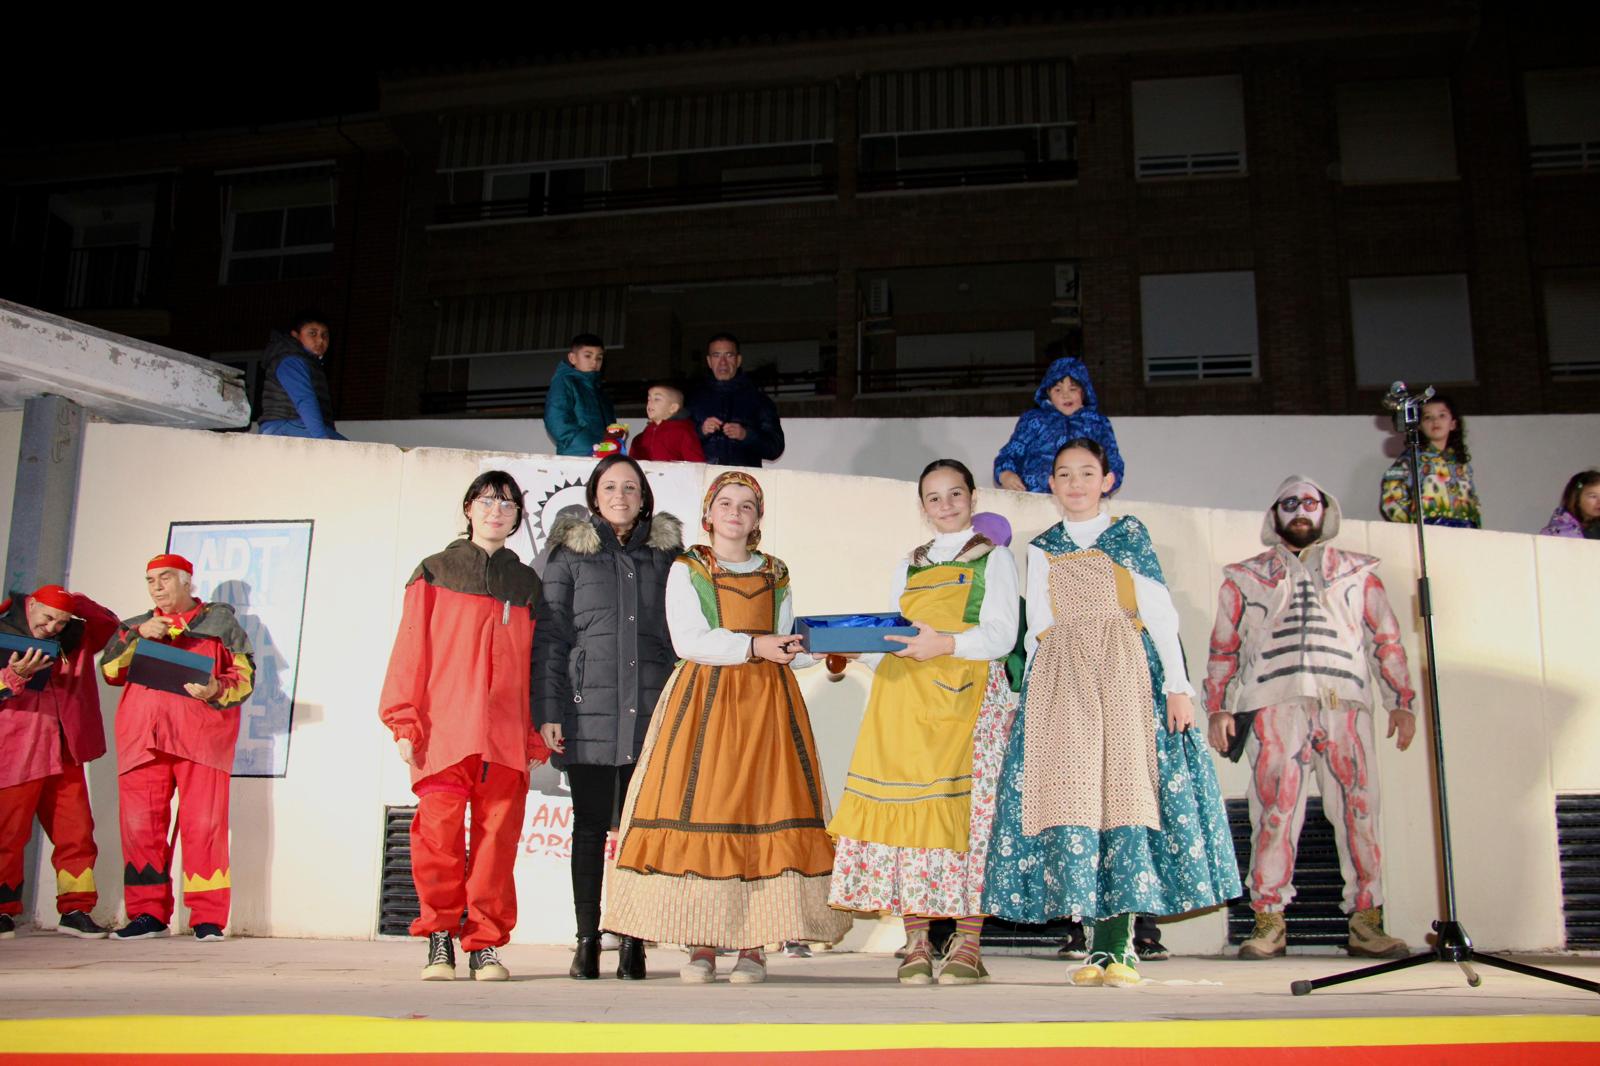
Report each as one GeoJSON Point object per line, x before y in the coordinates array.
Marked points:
{"type": "Point", "coordinates": [751, 969]}
{"type": "Point", "coordinates": [701, 969]}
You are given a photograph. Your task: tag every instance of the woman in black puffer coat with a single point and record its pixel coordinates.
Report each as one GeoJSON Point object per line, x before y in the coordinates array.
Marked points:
{"type": "Point", "coordinates": [601, 655]}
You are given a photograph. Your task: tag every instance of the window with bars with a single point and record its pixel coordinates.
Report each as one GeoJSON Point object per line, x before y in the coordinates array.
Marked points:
{"type": "Point", "coordinates": [278, 224]}
{"type": "Point", "coordinates": [1199, 327]}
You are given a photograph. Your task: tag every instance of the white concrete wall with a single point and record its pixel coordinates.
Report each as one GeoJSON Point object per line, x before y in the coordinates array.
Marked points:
{"type": "Point", "coordinates": [1518, 614]}
{"type": "Point", "coordinates": [1521, 462]}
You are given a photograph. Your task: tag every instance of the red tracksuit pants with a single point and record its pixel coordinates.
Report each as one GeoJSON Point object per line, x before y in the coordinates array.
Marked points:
{"type": "Point", "coordinates": [447, 882]}
{"type": "Point", "coordinates": [62, 803]}
{"type": "Point", "coordinates": [145, 794]}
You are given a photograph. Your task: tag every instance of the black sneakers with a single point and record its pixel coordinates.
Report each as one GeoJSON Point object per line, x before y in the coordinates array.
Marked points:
{"type": "Point", "coordinates": [207, 931]}
{"type": "Point", "coordinates": [81, 925]}
{"type": "Point", "coordinates": [142, 927]}
{"type": "Point", "coordinates": [8, 928]}
{"type": "Point", "coordinates": [484, 964]}
{"type": "Point", "coordinates": [441, 958]}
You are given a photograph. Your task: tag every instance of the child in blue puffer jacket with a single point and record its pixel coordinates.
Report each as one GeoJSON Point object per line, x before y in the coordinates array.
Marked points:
{"type": "Point", "coordinates": [1066, 408]}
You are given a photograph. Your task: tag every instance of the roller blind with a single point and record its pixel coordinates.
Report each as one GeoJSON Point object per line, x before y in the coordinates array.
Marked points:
{"type": "Point", "coordinates": [1391, 131]}
{"type": "Point", "coordinates": [1188, 126]}
{"type": "Point", "coordinates": [1563, 118]}
{"type": "Point", "coordinates": [1199, 326]}
{"type": "Point", "coordinates": [1416, 329]}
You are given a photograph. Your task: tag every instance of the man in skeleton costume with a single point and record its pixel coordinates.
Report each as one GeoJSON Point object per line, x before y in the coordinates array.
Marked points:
{"type": "Point", "coordinates": [1304, 646]}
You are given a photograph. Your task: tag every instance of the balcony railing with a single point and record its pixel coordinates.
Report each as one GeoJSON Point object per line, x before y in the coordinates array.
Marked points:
{"type": "Point", "coordinates": [983, 377]}
{"type": "Point", "coordinates": [907, 179]}
{"type": "Point", "coordinates": [530, 400]}
{"type": "Point", "coordinates": [665, 196]}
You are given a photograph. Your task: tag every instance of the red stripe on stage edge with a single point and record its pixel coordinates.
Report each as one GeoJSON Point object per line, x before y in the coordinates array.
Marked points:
{"type": "Point", "coordinates": [1528, 1054]}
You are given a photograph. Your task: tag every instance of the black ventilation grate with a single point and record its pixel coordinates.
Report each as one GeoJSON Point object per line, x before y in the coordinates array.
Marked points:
{"type": "Point", "coordinates": [397, 897]}
{"type": "Point", "coordinates": [1315, 917]}
{"type": "Point", "coordinates": [1578, 832]}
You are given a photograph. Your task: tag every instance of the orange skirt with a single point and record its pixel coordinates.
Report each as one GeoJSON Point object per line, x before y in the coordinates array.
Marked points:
{"type": "Point", "coordinates": [724, 838]}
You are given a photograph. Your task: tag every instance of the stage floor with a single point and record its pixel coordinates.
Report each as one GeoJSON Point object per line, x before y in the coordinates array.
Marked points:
{"type": "Point", "coordinates": [175, 1002]}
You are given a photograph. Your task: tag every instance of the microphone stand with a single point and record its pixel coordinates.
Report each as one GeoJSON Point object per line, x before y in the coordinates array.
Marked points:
{"type": "Point", "coordinates": [1451, 943]}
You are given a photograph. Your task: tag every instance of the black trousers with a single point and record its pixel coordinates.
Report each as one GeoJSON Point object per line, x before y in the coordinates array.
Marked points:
{"type": "Point", "coordinates": [597, 794]}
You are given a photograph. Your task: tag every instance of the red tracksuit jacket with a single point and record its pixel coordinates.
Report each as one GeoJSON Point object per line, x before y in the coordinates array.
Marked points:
{"type": "Point", "coordinates": [34, 725]}
{"type": "Point", "coordinates": [458, 681]}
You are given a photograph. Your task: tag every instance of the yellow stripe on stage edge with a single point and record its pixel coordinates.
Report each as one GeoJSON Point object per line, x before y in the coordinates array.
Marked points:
{"type": "Point", "coordinates": [325, 1033]}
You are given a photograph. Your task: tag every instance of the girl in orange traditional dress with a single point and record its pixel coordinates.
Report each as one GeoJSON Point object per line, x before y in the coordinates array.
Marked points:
{"type": "Point", "coordinates": [724, 841]}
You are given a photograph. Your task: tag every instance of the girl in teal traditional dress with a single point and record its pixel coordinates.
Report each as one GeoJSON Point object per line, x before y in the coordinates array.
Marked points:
{"type": "Point", "coordinates": [1108, 801]}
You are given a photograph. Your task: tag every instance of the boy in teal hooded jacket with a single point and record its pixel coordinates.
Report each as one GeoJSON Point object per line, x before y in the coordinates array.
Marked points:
{"type": "Point", "coordinates": [577, 409]}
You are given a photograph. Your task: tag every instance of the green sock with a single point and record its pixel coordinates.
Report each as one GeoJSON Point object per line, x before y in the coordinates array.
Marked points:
{"type": "Point", "coordinates": [1112, 938]}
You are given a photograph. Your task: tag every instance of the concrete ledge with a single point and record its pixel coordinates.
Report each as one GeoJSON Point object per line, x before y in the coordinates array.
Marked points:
{"type": "Point", "coordinates": [116, 377]}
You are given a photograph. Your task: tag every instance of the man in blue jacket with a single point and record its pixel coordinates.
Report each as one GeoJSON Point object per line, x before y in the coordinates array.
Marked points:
{"type": "Point", "coordinates": [577, 409]}
{"type": "Point", "coordinates": [295, 401]}
{"type": "Point", "coordinates": [738, 423]}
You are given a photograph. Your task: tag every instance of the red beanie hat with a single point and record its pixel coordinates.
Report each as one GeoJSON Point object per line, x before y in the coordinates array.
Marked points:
{"type": "Point", "coordinates": [54, 596]}
{"type": "Point", "coordinates": [170, 562]}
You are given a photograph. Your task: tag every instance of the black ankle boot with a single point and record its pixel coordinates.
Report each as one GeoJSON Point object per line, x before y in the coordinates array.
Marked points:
{"type": "Point", "coordinates": [586, 960]}
{"type": "Point", "coordinates": [630, 959]}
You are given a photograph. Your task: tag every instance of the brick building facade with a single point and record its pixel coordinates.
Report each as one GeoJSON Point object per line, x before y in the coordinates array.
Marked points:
{"type": "Point", "coordinates": [1270, 208]}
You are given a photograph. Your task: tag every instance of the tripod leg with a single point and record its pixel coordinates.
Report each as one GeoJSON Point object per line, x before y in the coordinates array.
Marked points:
{"type": "Point", "coordinates": [1473, 980]}
{"type": "Point", "coordinates": [1534, 971]}
{"type": "Point", "coordinates": [1302, 988]}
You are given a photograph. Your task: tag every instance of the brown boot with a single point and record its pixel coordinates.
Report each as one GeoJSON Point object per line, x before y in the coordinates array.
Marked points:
{"type": "Point", "coordinates": [1269, 939]}
{"type": "Point", "coordinates": [1369, 941]}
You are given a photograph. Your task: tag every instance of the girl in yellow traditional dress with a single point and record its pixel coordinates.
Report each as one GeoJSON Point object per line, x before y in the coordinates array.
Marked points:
{"type": "Point", "coordinates": [913, 828]}
{"type": "Point", "coordinates": [724, 839]}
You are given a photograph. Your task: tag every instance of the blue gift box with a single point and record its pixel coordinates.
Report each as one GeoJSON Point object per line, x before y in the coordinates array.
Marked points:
{"type": "Point", "coordinates": [161, 666]}
{"type": "Point", "coordinates": [11, 644]}
{"type": "Point", "coordinates": [864, 633]}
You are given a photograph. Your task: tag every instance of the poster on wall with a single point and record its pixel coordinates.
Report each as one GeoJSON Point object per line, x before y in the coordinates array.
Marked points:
{"type": "Point", "coordinates": [259, 568]}
{"type": "Point", "coordinates": [550, 488]}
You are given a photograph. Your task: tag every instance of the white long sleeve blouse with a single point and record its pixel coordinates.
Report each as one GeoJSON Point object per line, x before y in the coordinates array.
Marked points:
{"type": "Point", "coordinates": [695, 639]}
{"type": "Point", "coordinates": [996, 632]}
{"type": "Point", "coordinates": [1156, 609]}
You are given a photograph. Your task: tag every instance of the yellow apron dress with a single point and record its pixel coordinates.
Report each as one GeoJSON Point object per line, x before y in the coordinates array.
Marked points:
{"type": "Point", "coordinates": [910, 778]}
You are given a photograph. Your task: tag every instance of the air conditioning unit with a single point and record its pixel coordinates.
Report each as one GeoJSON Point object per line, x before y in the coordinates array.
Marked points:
{"type": "Point", "coordinates": [1067, 282]}
{"type": "Point", "coordinates": [1058, 146]}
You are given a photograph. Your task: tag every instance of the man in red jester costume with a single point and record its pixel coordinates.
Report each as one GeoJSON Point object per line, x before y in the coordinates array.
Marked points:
{"type": "Point", "coordinates": [49, 729]}
{"type": "Point", "coordinates": [170, 741]}
{"type": "Point", "coordinates": [1305, 645]}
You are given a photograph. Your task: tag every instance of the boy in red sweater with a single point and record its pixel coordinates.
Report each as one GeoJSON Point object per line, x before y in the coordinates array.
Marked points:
{"type": "Point", "coordinates": [667, 438]}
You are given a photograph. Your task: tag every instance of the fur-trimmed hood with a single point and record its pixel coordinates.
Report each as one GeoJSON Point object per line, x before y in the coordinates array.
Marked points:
{"type": "Point", "coordinates": [583, 534]}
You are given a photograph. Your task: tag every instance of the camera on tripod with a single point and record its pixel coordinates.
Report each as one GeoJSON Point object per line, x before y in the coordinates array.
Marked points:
{"type": "Point", "coordinates": [1405, 407]}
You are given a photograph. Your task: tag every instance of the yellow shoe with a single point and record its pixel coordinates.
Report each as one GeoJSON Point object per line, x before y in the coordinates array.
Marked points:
{"type": "Point", "coordinates": [1120, 975]}
{"type": "Point", "coordinates": [1090, 976]}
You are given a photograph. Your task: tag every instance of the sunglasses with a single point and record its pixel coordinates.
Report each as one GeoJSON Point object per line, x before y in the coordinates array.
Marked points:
{"type": "Point", "coordinates": [1308, 504]}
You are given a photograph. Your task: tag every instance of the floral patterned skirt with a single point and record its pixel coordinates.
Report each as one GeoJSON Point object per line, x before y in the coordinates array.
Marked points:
{"type": "Point", "coordinates": [933, 881]}
{"type": "Point", "coordinates": [1075, 871]}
